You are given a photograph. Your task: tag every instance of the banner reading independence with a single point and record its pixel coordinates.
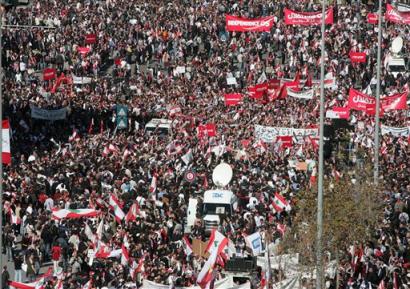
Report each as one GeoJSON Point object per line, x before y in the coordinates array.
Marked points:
{"type": "Point", "coordinates": [55, 114]}
{"type": "Point", "coordinates": [395, 16]}
{"type": "Point", "coordinates": [307, 18]}
{"type": "Point", "coordinates": [396, 131]}
{"type": "Point", "coordinates": [239, 24]}
{"type": "Point", "coordinates": [269, 134]}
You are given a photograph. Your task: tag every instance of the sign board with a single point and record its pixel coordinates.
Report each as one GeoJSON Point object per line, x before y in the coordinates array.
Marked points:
{"type": "Point", "coordinates": [122, 116]}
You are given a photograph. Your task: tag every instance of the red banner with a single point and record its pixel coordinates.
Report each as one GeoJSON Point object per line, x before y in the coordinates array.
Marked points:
{"type": "Point", "coordinates": [360, 101]}
{"type": "Point", "coordinates": [357, 57]}
{"type": "Point", "coordinates": [395, 16]}
{"type": "Point", "coordinates": [372, 18]}
{"type": "Point", "coordinates": [232, 99]}
{"type": "Point", "coordinates": [90, 38]}
{"type": "Point", "coordinates": [208, 129]}
{"type": "Point", "coordinates": [286, 141]}
{"type": "Point", "coordinates": [394, 102]}
{"type": "Point", "coordinates": [274, 83]}
{"type": "Point", "coordinates": [257, 91]}
{"type": "Point", "coordinates": [83, 50]}
{"type": "Point", "coordinates": [234, 23]}
{"type": "Point", "coordinates": [49, 73]}
{"type": "Point", "coordinates": [307, 18]}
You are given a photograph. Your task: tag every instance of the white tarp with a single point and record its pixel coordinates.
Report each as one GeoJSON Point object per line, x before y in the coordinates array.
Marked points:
{"type": "Point", "coordinates": [269, 134]}
{"type": "Point", "coordinates": [226, 283]}
{"type": "Point", "coordinates": [396, 131]}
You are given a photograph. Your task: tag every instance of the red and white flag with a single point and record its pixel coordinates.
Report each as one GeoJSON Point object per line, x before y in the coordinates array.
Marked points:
{"type": "Point", "coordinates": [73, 213]}
{"type": "Point", "coordinates": [381, 285]}
{"type": "Point", "coordinates": [87, 285]}
{"type": "Point", "coordinates": [206, 275]}
{"type": "Point", "coordinates": [153, 185]}
{"type": "Point", "coordinates": [125, 257]}
{"type": "Point", "coordinates": [281, 228]}
{"type": "Point", "coordinates": [279, 203]}
{"type": "Point", "coordinates": [6, 155]}
{"type": "Point", "coordinates": [215, 240]}
{"type": "Point", "coordinates": [133, 212]}
{"type": "Point", "coordinates": [395, 16]}
{"type": "Point", "coordinates": [116, 207]}
{"type": "Point", "coordinates": [38, 284]}
{"type": "Point", "coordinates": [13, 217]}
{"type": "Point", "coordinates": [137, 267]}
{"type": "Point", "coordinates": [187, 246]}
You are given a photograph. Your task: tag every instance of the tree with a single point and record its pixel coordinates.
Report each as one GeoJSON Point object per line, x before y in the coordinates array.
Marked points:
{"type": "Point", "coordinates": [352, 207]}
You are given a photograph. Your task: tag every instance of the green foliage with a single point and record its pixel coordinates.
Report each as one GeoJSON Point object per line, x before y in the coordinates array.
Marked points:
{"type": "Point", "coordinates": [350, 215]}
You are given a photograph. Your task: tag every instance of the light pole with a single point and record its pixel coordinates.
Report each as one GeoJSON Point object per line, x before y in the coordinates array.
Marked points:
{"type": "Point", "coordinates": [319, 261]}
{"type": "Point", "coordinates": [377, 122]}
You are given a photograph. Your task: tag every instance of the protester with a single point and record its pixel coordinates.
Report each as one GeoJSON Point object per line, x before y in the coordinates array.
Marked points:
{"type": "Point", "coordinates": [171, 60]}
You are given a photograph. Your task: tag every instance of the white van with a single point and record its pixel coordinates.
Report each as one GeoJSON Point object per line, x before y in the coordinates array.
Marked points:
{"type": "Point", "coordinates": [160, 125]}
{"type": "Point", "coordinates": [215, 204]}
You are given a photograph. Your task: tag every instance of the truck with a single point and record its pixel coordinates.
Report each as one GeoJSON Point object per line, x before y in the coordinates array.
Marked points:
{"type": "Point", "coordinates": [217, 203]}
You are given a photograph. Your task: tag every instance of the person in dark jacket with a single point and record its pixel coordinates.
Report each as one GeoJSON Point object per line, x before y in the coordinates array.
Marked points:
{"type": "Point", "coordinates": [5, 278]}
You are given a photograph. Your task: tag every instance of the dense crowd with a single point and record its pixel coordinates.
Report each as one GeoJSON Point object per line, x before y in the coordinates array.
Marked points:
{"type": "Point", "coordinates": [78, 162]}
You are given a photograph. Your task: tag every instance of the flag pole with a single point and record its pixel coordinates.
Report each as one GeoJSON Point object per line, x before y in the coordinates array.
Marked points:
{"type": "Point", "coordinates": [377, 118]}
{"type": "Point", "coordinates": [319, 263]}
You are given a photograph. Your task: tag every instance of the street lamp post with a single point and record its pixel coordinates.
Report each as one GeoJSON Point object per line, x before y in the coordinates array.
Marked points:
{"type": "Point", "coordinates": [319, 261]}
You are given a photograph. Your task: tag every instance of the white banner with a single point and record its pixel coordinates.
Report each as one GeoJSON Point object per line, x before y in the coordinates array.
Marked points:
{"type": "Point", "coordinates": [307, 94]}
{"type": "Point", "coordinates": [254, 241]}
{"type": "Point", "coordinates": [269, 134]}
{"type": "Point", "coordinates": [396, 131]}
{"type": "Point", "coordinates": [225, 283]}
{"type": "Point", "coordinates": [81, 80]}
{"type": "Point", "coordinates": [55, 114]}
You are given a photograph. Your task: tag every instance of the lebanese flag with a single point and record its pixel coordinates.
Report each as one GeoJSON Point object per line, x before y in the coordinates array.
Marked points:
{"type": "Point", "coordinates": [87, 285]}
{"type": "Point", "coordinates": [115, 206]}
{"type": "Point", "coordinates": [137, 267]}
{"type": "Point", "coordinates": [281, 228]}
{"type": "Point", "coordinates": [232, 99]}
{"type": "Point", "coordinates": [279, 203]}
{"type": "Point", "coordinates": [395, 282]}
{"type": "Point", "coordinates": [153, 185]}
{"type": "Point", "coordinates": [73, 214]}
{"type": "Point", "coordinates": [6, 156]}
{"type": "Point", "coordinates": [205, 276]}
{"type": "Point", "coordinates": [125, 257]}
{"type": "Point", "coordinates": [104, 253]}
{"type": "Point", "coordinates": [14, 219]}
{"type": "Point", "coordinates": [215, 240]}
{"type": "Point", "coordinates": [381, 285]}
{"type": "Point", "coordinates": [187, 246]}
{"type": "Point", "coordinates": [133, 212]}
{"type": "Point", "coordinates": [38, 284]}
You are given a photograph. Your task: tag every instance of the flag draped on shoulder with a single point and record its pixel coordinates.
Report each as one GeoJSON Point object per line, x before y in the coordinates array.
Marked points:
{"type": "Point", "coordinates": [279, 203]}
{"type": "Point", "coordinates": [133, 212]}
{"type": "Point", "coordinates": [73, 214]}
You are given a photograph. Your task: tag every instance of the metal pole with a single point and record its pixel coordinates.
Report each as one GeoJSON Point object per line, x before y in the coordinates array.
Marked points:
{"type": "Point", "coordinates": [377, 128]}
{"type": "Point", "coordinates": [319, 265]}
